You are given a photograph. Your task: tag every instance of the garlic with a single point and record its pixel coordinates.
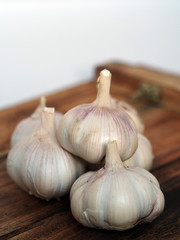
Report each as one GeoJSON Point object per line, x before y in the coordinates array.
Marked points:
{"type": "Point", "coordinates": [143, 157]}
{"type": "Point", "coordinates": [86, 129]}
{"type": "Point", "coordinates": [32, 123]}
{"type": "Point", "coordinates": [131, 112]}
{"type": "Point", "coordinates": [39, 165]}
{"type": "Point", "coordinates": [116, 197]}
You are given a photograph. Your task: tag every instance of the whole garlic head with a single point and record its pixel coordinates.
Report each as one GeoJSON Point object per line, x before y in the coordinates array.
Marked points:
{"type": "Point", "coordinates": [143, 157]}
{"type": "Point", "coordinates": [131, 112]}
{"type": "Point", "coordinates": [86, 129]}
{"type": "Point", "coordinates": [32, 123]}
{"type": "Point", "coordinates": [39, 165]}
{"type": "Point", "coordinates": [116, 197]}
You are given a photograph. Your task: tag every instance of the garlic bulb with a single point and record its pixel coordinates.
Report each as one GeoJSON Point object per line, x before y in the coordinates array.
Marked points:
{"type": "Point", "coordinates": [39, 165]}
{"type": "Point", "coordinates": [143, 157]}
{"type": "Point", "coordinates": [85, 130]}
{"type": "Point", "coordinates": [32, 123]}
{"type": "Point", "coordinates": [116, 197]}
{"type": "Point", "coordinates": [131, 112]}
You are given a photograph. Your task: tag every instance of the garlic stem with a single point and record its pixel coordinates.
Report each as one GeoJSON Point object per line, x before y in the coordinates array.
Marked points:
{"type": "Point", "coordinates": [104, 84]}
{"type": "Point", "coordinates": [48, 120]}
{"type": "Point", "coordinates": [112, 158]}
{"type": "Point", "coordinates": [42, 101]}
{"type": "Point", "coordinates": [39, 107]}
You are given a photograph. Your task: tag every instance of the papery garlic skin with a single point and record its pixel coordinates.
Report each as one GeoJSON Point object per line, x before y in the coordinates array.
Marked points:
{"type": "Point", "coordinates": [28, 125]}
{"type": "Point", "coordinates": [58, 117]}
{"type": "Point", "coordinates": [116, 197]}
{"type": "Point", "coordinates": [86, 129]}
{"type": "Point", "coordinates": [40, 166]}
{"type": "Point", "coordinates": [131, 112]}
{"type": "Point", "coordinates": [143, 157]}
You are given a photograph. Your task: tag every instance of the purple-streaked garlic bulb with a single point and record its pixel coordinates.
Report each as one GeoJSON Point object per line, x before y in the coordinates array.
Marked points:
{"type": "Point", "coordinates": [39, 165]}
{"type": "Point", "coordinates": [86, 129]}
{"type": "Point", "coordinates": [116, 197]}
{"type": "Point", "coordinates": [143, 157]}
{"type": "Point", "coordinates": [25, 127]}
{"type": "Point", "coordinates": [131, 112]}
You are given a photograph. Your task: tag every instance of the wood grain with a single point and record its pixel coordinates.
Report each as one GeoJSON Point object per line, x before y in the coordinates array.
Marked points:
{"type": "Point", "coordinates": [24, 217]}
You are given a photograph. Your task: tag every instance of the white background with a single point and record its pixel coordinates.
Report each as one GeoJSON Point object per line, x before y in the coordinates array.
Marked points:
{"type": "Point", "coordinates": [50, 45]}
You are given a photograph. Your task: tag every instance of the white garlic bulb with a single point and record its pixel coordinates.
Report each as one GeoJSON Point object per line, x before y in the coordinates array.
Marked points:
{"type": "Point", "coordinates": [143, 157]}
{"type": "Point", "coordinates": [131, 112]}
{"type": "Point", "coordinates": [116, 197]}
{"type": "Point", "coordinates": [39, 165]}
{"type": "Point", "coordinates": [32, 123]}
{"type": "Point", "coordinates": [85, 130]}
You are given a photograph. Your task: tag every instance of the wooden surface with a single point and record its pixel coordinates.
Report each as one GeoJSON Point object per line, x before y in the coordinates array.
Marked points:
{"type": "Point", "coordinates": [25, 217]}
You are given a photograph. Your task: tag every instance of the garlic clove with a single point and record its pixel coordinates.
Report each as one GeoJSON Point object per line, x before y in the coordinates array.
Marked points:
{"type": "Point", "coordinates": [131, 112]}
{"type": "Point", "coordinates": [39, 165]}
{"type": "Point", "coordinates": [86, 129]}
{"type": "Point", "coordinates": [116, 197]}
{"type": "Point", "coordinates": [143, 157]}
{"type": "Point", "coordinates": [32, 123]}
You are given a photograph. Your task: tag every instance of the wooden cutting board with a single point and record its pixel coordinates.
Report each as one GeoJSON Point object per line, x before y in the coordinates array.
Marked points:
{"type": "Point", "coordinates": [25, 217]}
